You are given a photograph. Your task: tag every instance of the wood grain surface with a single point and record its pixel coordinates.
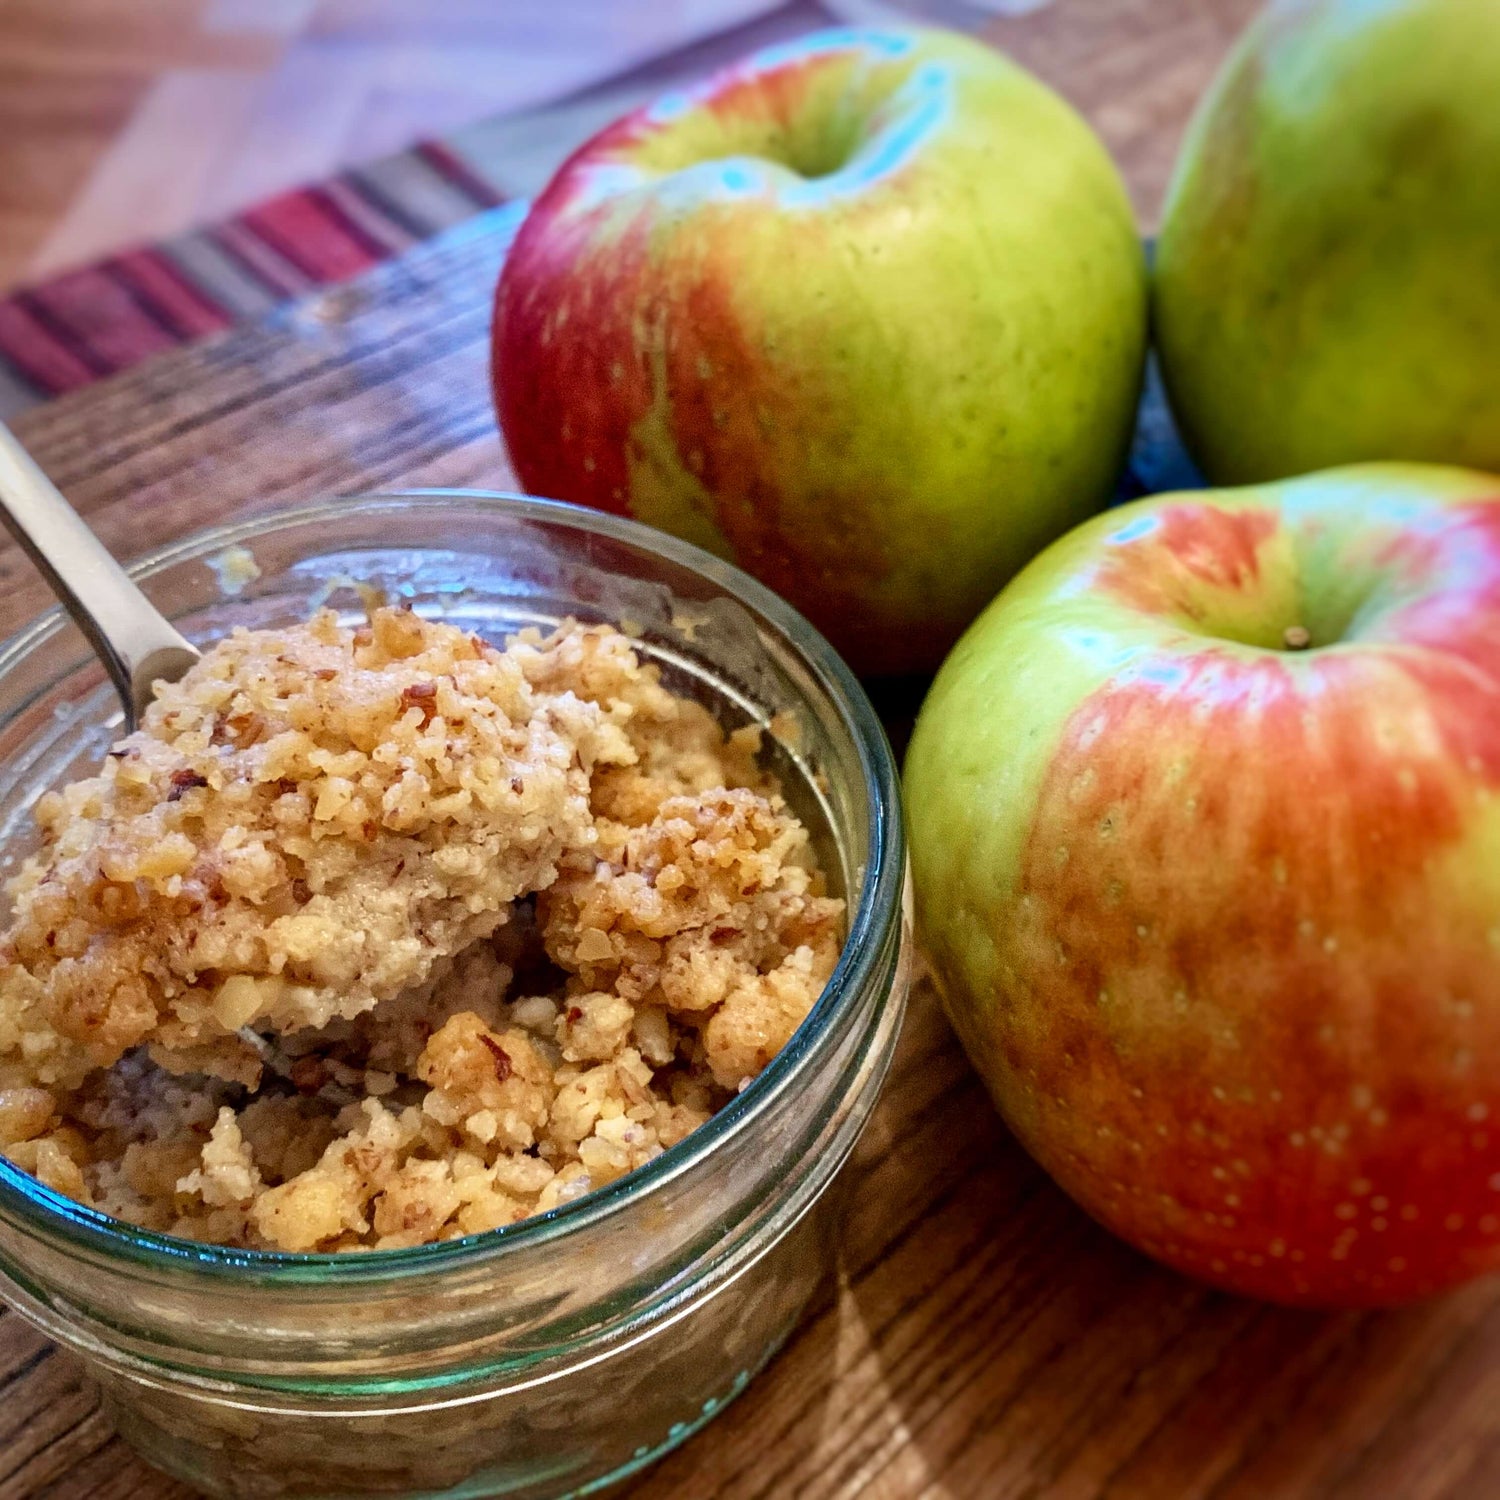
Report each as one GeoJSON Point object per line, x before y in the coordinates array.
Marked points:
{"type": "Point", "coordinates": [983, 1339]}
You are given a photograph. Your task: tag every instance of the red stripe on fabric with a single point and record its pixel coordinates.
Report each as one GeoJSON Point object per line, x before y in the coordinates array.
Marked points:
{"type": "Point", "coordinates": [142, 304]}
{"type": "Point", "coordinates": [297, 227]}
{"type": "Point", "coordinates": [106, 317]}
{"type": "Point", "coordinates": [453, 169]}
{"type": "Point", "coordinates": [41, 357]}
{"type": "Point", "coordinates": [106, 325]}
{"type": "Point", "coordinates": [154, 277]}
{"type": "Point", "coordinates": [344, 206]}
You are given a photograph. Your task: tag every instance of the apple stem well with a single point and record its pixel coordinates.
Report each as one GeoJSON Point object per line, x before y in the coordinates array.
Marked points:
{"type": "Point", "coordinates": [813, 111]}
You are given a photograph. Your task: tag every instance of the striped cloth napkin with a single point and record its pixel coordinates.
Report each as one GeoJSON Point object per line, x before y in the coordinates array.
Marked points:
{"type": "Point", "coordinates": [89, 323]}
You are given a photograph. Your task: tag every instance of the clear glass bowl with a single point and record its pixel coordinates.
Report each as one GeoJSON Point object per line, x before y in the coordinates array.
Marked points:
{"type": "Point", "coordinates": [569, 1350]}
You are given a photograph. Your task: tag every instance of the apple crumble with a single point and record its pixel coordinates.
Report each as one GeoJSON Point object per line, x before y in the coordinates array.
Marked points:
{"type": "Point", "coordinates": [378, 936]}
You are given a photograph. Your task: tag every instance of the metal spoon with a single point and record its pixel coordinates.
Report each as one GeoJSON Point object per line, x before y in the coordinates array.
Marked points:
{"type": "Point", "coordinates": [136, 643]}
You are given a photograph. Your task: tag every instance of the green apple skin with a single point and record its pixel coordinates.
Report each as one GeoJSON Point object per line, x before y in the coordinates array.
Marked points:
{"type": "Point", "coordinates": [1218, 922]}
{"type": "Point", "coordinates": [1326, 287]}
{"type": "Point", "coordinates": [865, 314]}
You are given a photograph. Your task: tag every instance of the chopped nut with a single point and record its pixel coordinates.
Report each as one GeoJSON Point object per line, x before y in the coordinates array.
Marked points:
{"type": "Point", "coordinates": [421, 696]}
{"type": "Point", "coordinates": [510, 962]}
{"type": "Point", "coordinates": [185, 781]}
{"type": "Point", "coordinates": [503, 1066]}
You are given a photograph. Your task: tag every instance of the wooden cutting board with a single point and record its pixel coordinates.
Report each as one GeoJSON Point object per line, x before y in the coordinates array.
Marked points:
{"type": "Point", "coordinates": [984, 1339]}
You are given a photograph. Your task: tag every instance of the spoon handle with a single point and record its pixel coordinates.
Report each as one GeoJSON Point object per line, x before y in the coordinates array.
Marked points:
{"type": "Point", "coordinates": [136, 643]}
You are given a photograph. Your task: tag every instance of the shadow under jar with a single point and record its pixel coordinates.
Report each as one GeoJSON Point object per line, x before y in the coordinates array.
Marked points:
{"type": "Point", "coordinates": [569, 1350]}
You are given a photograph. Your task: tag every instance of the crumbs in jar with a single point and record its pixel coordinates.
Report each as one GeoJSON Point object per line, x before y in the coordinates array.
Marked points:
{"type": "Point", "coordinates": [379, 936]}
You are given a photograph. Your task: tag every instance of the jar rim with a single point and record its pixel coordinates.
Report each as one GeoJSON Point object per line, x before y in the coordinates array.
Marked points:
{"type": "Point", "coordinates": [876, 909]}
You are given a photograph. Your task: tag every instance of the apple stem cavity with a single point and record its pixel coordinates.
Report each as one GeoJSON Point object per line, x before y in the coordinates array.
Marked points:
{"type": "Point", "coordinates": [1296, 638]}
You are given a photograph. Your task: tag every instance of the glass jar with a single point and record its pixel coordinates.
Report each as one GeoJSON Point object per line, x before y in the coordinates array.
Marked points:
{"type": "Point", "coordinates": [569, 1350]}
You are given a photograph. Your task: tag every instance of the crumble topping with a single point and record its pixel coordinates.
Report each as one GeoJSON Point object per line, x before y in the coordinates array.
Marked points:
{"type": "Point", "coordinates": [372, 937]}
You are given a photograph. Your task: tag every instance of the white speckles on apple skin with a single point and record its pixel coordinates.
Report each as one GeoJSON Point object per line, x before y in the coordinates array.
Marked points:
{"type": "Point", "coordinates": [1344, 1087]}
{"type": "Point", "coordinates": [1092, 731]}
{"type": "Point", "coordinates": [1083, 784]}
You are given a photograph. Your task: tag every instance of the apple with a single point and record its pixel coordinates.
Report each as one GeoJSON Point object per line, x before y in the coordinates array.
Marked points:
{"type": "Point", "coordinates": [1206, 841]}
{"type": "Point", "coordinates": [1325, 288]}
{"type": "Point", "coordinates": [864, 314]}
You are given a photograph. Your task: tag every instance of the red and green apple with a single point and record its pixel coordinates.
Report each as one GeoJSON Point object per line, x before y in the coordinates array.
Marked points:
{"type": "Point", "coordinates": [1326, 287]}
{"type": "Point", "coordinates": [864, 314]}
{"type": "Point", "coordinates": [1205, 824]}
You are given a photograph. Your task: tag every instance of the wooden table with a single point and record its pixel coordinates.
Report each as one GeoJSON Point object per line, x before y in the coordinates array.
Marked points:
{"type": "Point", "coordinates": [984, 1340]}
